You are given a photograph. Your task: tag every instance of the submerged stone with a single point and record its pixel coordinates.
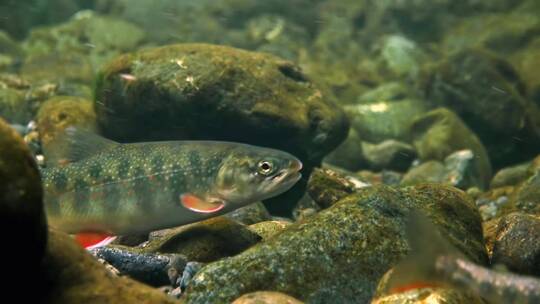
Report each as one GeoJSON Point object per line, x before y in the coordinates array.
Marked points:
{"type": "Point", "coordinates": [488, 94]}
{"type": "Point", "coordinates": [517, 243]}
{"type": "Point", "coordinates": [440, 132]}
{"type": "Point", "coordinates": [266, 297]}
{"type": "Point", "coordinates": [60, 112]}
{"type": "Point", "coordinates": [22, 216]}
{"type": "Point", "coordinates": [341, 252]}
{"type": "Point", "coordinates": [203, 241]}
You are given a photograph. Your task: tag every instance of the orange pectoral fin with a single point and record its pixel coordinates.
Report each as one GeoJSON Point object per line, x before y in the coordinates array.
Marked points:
{"type": "Point", "coordinates": [413, 285]}
{"type": "Point", "coordinates": [90, 240]}
{"type": "Point", "coordinates": [196, 204]}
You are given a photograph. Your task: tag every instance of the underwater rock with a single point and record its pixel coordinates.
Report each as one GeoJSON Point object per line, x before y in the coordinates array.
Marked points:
{"type": "Point", "coordinates": [10, 51]}
{"type": "Point", "coordinates": [459, 170]}
{"type": "Point", "coordinates": [203, 91]}
{"type": "Point", "coordinates": [18, 17]}
{"type": "Point", "coordinates": [431, 171]}
{"type": "Point", "coordinates": [269, 229]}
{"type": "Point", "coordinates": [431, 296]}
{"type": "Point", "coordinates": [385, 113]}
{"type": "Point", "coordinates": [203, 241]}
{"type": "Point", "coordinates": [348, 155]}
{"type": "Point", "coordinates": [492, 203]}
{"type": "Point", "coordinates": [400, 56]}
{"type": "Point", "coordinates": [526, 197]}
{"type": "Point", "coordinates": [19, 99]}
{"type": "Point", "coordinates": [517, 243]}
{"type": "Point", "coordinates": [354, 243]}
{"type": "Point", "coordinates": [487, 93]}
{"type": "Point", "coordinates": [149, 268]}
{"type": "Point", "coordinates": [326, 186]}
{"type": "Point", "coordinates": [250, 214]}
{"type": "Point", "coordinates": [389, 154]}
{"type": "Point", "coordinates": [266, 297]}
{"type": "Point", "coordinates": [60, 112]}
{"type": "Point", "coordinates": [70, 53]}
{"type": "Point", "coordinates": [527, 64]}
{"type": "Point", "coordinates": [385, 177]}
{"type": "Point", "coordinates": [500, 32]}
{"type": "Point", "coordinates": [510, 176]}
{"type": "Point", "coordinates": [71, 275]}
{"type": "Point", "coordinates": [441, 132]}
{"type": "Point", "coordinates": [22, 216]}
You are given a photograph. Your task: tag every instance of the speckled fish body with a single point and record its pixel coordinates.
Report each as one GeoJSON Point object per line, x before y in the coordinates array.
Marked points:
{"type": "Point", "coordinates": [131, 188]}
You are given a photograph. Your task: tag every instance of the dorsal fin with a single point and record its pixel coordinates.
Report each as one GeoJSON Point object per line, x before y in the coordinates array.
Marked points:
{"type": "Point", "coordinates": [74, 145]}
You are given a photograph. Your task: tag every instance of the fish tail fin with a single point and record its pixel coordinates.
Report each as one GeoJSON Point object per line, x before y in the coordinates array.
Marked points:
{"type": "Point", "coordinates": [91, 240]}
{"type": "Point", "coordinates": [418, 268]}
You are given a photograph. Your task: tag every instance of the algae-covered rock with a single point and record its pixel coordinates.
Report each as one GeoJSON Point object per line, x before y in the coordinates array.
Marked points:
{"type": "Point", "coordinates": [459, 169]}
{"type": "Point", "coordinates": [341, 252]}
{"type": "Point", "coordinates": [71, 275]}
{"type": "Point", "coordinates": [60, 112]}
{"type": "Point", "coordinates": [250, 214]}
{"type": "Point", "coordinates": [389, 154]}
{"type": "Point", "coordinates": [20, 99]}
{"type": "Point", "coordinates": [269, 229]}
{"type": "Point", "coordinates": [441, 132]}
{"type": "Point", "coordinates": [527, 64]}
{"type": "Point", "coordinates": [526, 198]}
{"type": "Point", "coordinates": [499, 32]}
{"type": "Point", "coordinates": [348, 155]}
{"type": "Point", "coordinates": [487, 93]}
{"type": "Point", "coordinates": [266, 297]}
{"type": "Point", "coordinates": [326, 186]}
{"type": "Point", "coordinates": [204, 241]}
{"type": "Point", "coordinates": [517, 243]}
{"type": "Point", "coordinates": [431, 171]}
{"type": "Point", "coordinates": [22, 216]}
{"type": "Point", "coordinates": [400, 56]}
{"type": "Point", "coordinates": [202, 91]}
{"type": "Point", "coordinates": [510, 176]}
{"type": "Point", "coordinates": [431, 296]}
{"type": "Point", "coordinates": [385, 113]}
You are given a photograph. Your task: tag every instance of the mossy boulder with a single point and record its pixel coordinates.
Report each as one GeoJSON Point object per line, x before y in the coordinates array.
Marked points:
{"type": "Point", "coordinates": [203, 91]}
{"type": "Point", "coordinates": [440, 132]}
{"type": "Point", "coordinates": [204, 241]}
{"type": "Point", "coordinates": [22, 216]}
{"type": "Point", "coordinates": [60, 112]}
{"type": "Point", "coordinates": [488, 94]}
{"type": "Point", "coordinates": [341, 252]}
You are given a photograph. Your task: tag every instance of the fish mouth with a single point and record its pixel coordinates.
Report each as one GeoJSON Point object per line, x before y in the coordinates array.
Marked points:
{"type": "Point", "coordinates": [286, 178]}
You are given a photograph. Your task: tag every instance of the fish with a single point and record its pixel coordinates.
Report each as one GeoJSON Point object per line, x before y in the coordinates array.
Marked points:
{"type": "Point", "coordinates": [434, 262]}
{"type": "Point", "coordinates": [97, 188]}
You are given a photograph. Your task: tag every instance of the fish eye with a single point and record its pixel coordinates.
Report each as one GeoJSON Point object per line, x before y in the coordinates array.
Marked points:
{"type": "Point", "coordinates": [265, 167]}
